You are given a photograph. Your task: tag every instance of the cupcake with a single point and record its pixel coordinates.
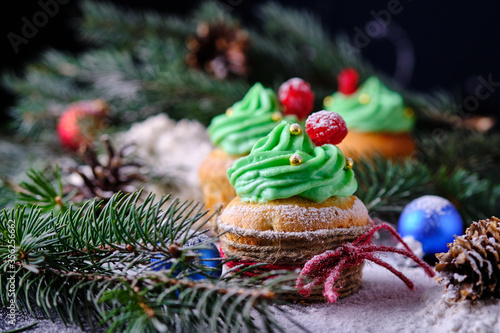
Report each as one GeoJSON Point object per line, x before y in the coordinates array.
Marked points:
{"type": "Point", "coordinates": [377, 119]}
{"type": "Point", "coordinates": [294, 201]}
{"type": "Point", "coordinates": [234, 133]}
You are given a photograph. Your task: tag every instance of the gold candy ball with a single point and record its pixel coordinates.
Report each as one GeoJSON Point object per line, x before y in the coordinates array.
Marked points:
{"type": "Point", "coordinates": [229, 112]}
{"type": "Point", "coordinates": [408, 112]}
{"type": "Point", "coordinates": [277, 116]}
{"type": "Point", "coordinates": [296, 159]}
{"type": "Point", "coordinates": [349, 163]}
{"type": "Point", "coordinates": [295, 129]}
{"type": "Point", "coordinates": [328, 101]}
{"type": "Point", "coordinates": [364, 98]}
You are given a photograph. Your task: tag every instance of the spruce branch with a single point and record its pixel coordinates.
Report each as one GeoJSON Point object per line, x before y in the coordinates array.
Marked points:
{"type": "Point", "coordinates": [387, 186]}
{"type": "Point", "coordinates": [44, 192]}
{"type": "Point", "coordinates": [460, 149]}
{"type": "Point", "coordinates": [93, 264]}
{"type": "Point", "coordinates": [105, 24]}
{"type": "Point", "coordinates": [140, 68]}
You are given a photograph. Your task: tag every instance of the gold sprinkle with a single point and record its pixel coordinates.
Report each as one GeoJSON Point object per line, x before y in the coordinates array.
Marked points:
{"type": "Point", "coordinates": [364, 98]}
{"type": "Point", "coordinates": [277, 116]}
{"type": "Point", "coordinates": [229, 112]}
{"type": "Point", "coordinates": [295, 160]}
{"type": "Point", "coordinates": [328, 101]}
{"type": "Point", "coordinates": [408, 112]}
{"type": "Point", "coordinates": [295, 129]}
{"type": "Point", "coordinates": [349, 163]}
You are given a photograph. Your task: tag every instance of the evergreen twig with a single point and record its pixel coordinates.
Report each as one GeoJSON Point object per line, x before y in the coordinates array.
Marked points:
{"type": "Point", "coordinates": [93, 264]}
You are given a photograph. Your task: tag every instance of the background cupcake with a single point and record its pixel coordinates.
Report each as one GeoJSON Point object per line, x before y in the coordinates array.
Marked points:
{"type": "Point", "coordinates": [377, 119]}
{"type": "Point", "coordinates": [234, 133]}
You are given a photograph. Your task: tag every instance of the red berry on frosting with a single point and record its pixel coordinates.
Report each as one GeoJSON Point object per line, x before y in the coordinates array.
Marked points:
{"type": "Point", "coordinates": [348, 81]}
{"type": "Point", "coordinates": [326, 127]}
{"type": "Point", "coordinates": [79, 122]}
{"type": "Point", "coordinates": [296, 97]}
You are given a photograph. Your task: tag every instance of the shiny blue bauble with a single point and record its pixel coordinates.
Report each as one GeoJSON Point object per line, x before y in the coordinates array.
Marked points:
{"type": "Point", "coordinates": [431, 220]}
{"type": "Point", "coordinates": [208, 256]}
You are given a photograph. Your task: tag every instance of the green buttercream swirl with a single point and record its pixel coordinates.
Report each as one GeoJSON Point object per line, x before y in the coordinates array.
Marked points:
{"type": "Point", "coordinates": [251, 119]}
{"type": "Point", "coordinates": [266, 174]}
{"type": "Point", "coordinates": [385, 111]}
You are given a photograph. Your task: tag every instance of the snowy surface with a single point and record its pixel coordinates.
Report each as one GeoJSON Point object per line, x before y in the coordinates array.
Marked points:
{"type": "Point", "coordinates": [385, 304]}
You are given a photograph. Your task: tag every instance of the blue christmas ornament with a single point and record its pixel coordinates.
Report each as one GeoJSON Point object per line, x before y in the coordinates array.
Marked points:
{"type": "Point", "coordinates": [431, 220]}
{"type": "Point", "coordinates": [207, 255]}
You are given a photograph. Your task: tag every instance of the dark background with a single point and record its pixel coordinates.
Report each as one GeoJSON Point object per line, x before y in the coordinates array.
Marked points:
{"type": "Point", "coordinates": [453, 42]}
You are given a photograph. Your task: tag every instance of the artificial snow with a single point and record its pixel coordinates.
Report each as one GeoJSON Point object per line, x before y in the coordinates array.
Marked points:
{"type": "Point", "coordinates": [385, 304]}
{"type": "Point", "coordinates": [430, 204]}
{"type": "Point", "coordinates": [173, 150]}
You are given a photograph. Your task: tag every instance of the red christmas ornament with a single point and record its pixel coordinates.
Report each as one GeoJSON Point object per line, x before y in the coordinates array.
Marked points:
{"type": "Point", "coordinates": [78, 125]}
{"type": "Point", "coordinates": [296, 97]}
{"type": "Point", "coordinates": [348, 81]}
{"type": "Point", "coordinates": [326, 127]}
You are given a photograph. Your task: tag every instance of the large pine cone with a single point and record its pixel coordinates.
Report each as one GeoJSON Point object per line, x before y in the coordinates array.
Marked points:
{"type": "Point", "coordinates": [471, 267]}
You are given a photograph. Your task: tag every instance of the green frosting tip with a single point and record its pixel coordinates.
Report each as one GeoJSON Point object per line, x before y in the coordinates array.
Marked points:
{"type": "Point", "coordinates": [286, 163]}
{"type": "Point", "coordinates": [246, 121]}
{"type": "Point", "coordinates": [372, 108]}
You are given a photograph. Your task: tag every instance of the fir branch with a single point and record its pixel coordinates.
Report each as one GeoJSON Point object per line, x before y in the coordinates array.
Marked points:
{"type": "Point", "coordinates": [474, 197]}
{"type": "Point", "coordinates": [7, 195]}
{"type": "Point", "coordinates": [140, 67]}
{"type": "Point", "coordinates": [105, 24]}
{"type": "Point", "coordinates": [94, 264]}
{"type": "Point", "coordinates": [460, 149]}
{"type": "Point", "coordinates": [387, 186]}
{"type": "Point", "coordinates": [44, 192]}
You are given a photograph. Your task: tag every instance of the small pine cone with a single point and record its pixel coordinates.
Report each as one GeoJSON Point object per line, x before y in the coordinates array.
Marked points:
{"type": "Point", "coordinates": [219, 49]}
{"type": "Point", "coordinates": [471, 267]}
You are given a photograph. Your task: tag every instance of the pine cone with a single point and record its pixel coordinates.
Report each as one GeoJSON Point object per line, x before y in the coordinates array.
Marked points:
{"type": "Point", "coordinates": [471, 267]}
{"type": "Point", "coordinates": [104, 180]}
{"type": "Point", "coordinates": [219, 50]}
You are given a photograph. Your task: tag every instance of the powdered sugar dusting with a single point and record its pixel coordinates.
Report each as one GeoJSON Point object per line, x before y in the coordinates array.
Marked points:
{"type": "Point", "coordinates": [308, 217]}
{"type": "Point", "coordinates": [326, 127]}
{"type": "Point", "coordinates": [295, 83]}
{"type": "Point", "coordinates": [276, 235]}
{"type": "Point", "coordinates": [430, 204]}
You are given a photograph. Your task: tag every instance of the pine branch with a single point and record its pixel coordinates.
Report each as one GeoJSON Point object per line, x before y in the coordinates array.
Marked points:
{"type": "Point", "coordinates": [112, 26]}
{"type": "Point", "coordinates": [140, 67]}
{"type": "Point", "coordinates": [474, 197]}
{"type": "Point", "coordinates": [44, 192]}
{"type": "Point", "coordinates": [7, 195]}
{"type": "Point", "coordinates": [460, 149]}
{"type": "Point", "coordinates": [94, 264]}
{"type": "Point", "coordinates": [388, 186]}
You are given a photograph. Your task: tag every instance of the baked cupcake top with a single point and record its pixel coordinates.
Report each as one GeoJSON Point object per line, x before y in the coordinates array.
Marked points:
{"type": "Point", "coordinates": [372, 108]}
{"type": "Point", "coordinates": [248, 120]}
{"type": "Point", "coordinates": [287, 163]}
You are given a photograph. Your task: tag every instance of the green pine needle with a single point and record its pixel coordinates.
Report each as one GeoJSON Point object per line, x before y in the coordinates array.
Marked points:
{"type": "Point", "coordinates": [93, 264]}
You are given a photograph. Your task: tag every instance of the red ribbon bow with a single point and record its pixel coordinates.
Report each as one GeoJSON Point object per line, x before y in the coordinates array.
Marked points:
{"type": "Point", "coordinates": [326, 267]}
